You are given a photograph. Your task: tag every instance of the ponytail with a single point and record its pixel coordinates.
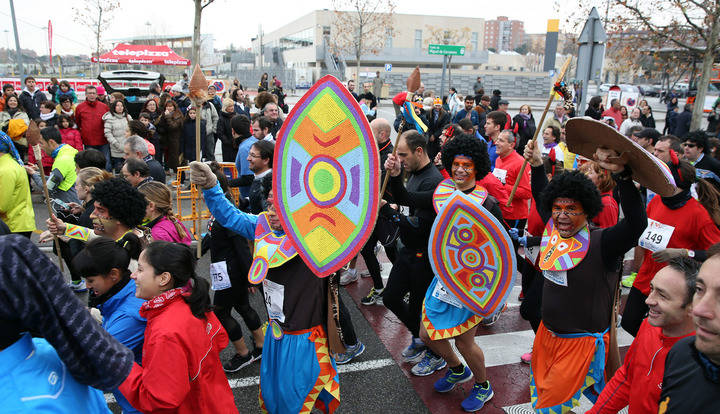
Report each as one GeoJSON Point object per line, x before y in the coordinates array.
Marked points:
{"type": "Point", "coordinates": [179, 260]}
{"type": "Point", "coordinates": [709, 197]}
{"type": "Point", "coordinates": [178, 227]}
{"type": "Point", "coordinates": [160, 194]}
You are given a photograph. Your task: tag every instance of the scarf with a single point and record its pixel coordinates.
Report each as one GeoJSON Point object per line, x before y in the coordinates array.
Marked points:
{"type": "Point", "coordinates": [676, 201]}
{"type": "Point", "coordinates": [36, 297]}
{"type": "Point", "coordinates": [167, 297]}
{"type": "Point", "coordinates": [526, 117]}
{"type": "Point", "coordinates": [47, 116]}
{"type": "Point", "coordinates": [11, 111]}
{"type": "Point", "coordinates": [6, 145]}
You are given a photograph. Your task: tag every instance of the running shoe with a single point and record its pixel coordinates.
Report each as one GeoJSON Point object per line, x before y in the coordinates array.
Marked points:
{"type": "Point", "coordinates": [350, 353]}
{"type": "Point", "coordinates": [78, 286]}
{"type": "Point", "coordinates": [451, 379]}
{"type": "Point", "coordinates": [526, 357]}
{"type": "Point", "coordinates": [375, 296]}
{"type": "Point", "coordinates": [256, 353]}
{"type": "Point", "coordinates": [492, 319]}
{"type": "Point", "coordinates": [628, 280]}
{"type": "Point", "coordinates": [477, 398]}
{"type": "Point", "coordinates": [415, 351]}
{"type": "Point", "coordinates": [238, 362]}
{"type": "Point", "coordinates": [428, 364]}
{"type": "Point", "coordinates": [348, 276]}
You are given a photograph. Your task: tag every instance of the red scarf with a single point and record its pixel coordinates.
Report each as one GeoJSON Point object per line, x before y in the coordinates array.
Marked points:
{"type": "Point", "coordinates": [166, 298]}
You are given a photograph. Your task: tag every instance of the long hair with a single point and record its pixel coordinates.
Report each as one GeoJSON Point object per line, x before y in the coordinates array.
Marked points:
{"type": "Point", "coordinates": [709, 197]}
{"type": "Point", "coordinates": [179, 260]}
{"type": "Point", "coordinates": [160, 194]}
{"type": "Point", "coordinates": [606, 182]}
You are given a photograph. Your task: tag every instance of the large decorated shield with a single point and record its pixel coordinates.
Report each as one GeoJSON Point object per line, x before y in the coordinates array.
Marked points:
{"type": "Point", "coordinates": [472, 254]}
{"type": "Point", "coordinates": [326, 181]}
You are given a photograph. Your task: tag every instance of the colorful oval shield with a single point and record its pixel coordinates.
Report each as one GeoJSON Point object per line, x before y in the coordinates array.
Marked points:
{"type": "Point", "coordinates": [472, 254]}
{"type": "Point", "coordinates": [326, 178]}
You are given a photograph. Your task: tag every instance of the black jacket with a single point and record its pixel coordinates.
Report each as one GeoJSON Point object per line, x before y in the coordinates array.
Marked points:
{"type": "Point", "coordinates": [682, 124]}
{"type": "Point", "coordinates": [31, 103]}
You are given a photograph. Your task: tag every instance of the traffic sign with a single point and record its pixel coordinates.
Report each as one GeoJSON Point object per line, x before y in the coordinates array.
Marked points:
{"type": "Point", "coordinates": [454, 50]}
{"type": "Point", "coordinates": [388, 67]}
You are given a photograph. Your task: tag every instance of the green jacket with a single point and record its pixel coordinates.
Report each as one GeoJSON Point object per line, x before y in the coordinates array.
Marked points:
{"type": "Point", "coordinates": [16, 208]}
{"type": "Point", "coordinates": [65, 164]}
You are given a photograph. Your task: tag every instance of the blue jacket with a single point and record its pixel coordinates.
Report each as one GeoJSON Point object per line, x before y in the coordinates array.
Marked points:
{"type": "Point", "coordinates": [122, 320]}
{"type": "Point", "coordinates": [242, 165]}
{"type": "Point", "coordinates": [35, 380]}
{"type": "Point", "coordinates": [474, 117]}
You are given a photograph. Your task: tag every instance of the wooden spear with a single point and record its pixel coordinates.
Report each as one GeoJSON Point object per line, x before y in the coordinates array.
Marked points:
{"type": "Point", "coordinates": [198, 94]}
{"type": "Point", "coordinates": [34, 137]}
{"type": "Point", "coordinates": [413, 84]}
{"type": "Point", "coordinates": [559, 78]}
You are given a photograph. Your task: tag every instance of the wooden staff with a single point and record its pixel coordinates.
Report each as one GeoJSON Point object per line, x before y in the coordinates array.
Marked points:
{"type": "Point", "coordinates": [413, 84]}
{"type": "Point", "coordinates": [33, 137]}
{"type": "Point", "coordinates": [559, 78]}
{"type": "Point", "coordinates": [198, 94]}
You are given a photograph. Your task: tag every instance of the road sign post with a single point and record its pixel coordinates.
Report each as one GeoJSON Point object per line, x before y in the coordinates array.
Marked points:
{"type": "Point", "coordinates": [591, 53]}
{"type": "Point", "coordinates": [445, 50]}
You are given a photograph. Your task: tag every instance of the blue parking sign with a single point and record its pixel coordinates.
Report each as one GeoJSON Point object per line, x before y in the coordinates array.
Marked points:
{"type": "Point", "coordinates": [388, 67]}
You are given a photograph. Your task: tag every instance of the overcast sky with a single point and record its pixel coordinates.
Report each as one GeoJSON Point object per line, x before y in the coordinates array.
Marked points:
{"type": "Point", "coordinates": [230, 21]}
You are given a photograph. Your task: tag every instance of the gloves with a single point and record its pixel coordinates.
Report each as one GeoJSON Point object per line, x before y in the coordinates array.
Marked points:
{"type": "Point", "coordinates": [513, 232]}
{"type": "Point", "coordinates": [202, 176]}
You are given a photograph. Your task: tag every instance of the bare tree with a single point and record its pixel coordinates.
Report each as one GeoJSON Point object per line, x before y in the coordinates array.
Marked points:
{"type": "Point", "coordinates": [687, 25]}
{"type": "Point", "coordinates": [96, 14]}
{"type": "Point", "coordinates": [199, 7]}
{"type": "Point", "coordinates": [361, 27]}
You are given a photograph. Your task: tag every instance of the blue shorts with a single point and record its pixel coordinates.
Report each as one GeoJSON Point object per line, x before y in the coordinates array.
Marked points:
{"type": "Point", "coordinates": [443, 320]}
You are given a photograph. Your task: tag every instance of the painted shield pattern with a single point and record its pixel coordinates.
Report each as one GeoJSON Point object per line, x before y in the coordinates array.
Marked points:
{"type": "Point", "coordinates": [472, 254]}
{"type": "Point", "coordinates": [326, 177]}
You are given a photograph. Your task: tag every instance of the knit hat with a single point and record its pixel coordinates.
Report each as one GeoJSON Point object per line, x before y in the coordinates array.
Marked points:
{"type": "Point", "coordinates": [16, 128]}
{"type": "Point", "coordinates": [100, 90]}
{"type": "Point", "coordinates": [427, 103]}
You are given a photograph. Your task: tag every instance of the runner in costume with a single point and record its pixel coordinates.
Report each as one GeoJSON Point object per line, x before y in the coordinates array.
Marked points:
{"type": "Point", "coordinates": [580, 265]}
{"type": "Point", "coordinates": [297, 372]}
{"type": "Point", "coordinates": [443, 315]}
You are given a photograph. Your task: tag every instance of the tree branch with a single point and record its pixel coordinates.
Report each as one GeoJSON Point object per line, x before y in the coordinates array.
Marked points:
{"type": "Point", "coordinates": [202, 7]}
{"type": "Point", "coordinates": [645, 21]}
{"type": "Point", "coordinates": [690, 22]}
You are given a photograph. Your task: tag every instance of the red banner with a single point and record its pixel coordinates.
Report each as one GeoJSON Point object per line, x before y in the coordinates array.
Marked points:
{"type": "Point", "coordinates": [142, 55]}
{"type": "Point", "coordinates": [50, 40]}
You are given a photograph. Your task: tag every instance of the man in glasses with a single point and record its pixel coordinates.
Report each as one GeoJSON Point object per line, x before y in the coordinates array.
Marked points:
{"type": "Point", "coordinates": [580, 268]}
{"type": "Point", "coordinates": [694, 145]}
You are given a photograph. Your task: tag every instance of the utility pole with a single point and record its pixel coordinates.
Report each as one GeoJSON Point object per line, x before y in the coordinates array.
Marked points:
{"type": "Point", "coordinates": [21, 71]}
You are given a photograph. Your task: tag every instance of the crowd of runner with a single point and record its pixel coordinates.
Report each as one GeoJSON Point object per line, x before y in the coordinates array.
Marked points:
{"type": "Point", "coordinates": [154, 331]}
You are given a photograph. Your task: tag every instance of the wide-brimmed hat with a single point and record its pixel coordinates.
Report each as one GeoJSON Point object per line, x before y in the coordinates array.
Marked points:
{"type": "Point", "coordinates": [585, 135]}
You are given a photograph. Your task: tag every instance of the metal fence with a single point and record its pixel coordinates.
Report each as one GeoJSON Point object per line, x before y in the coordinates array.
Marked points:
{"type": "Point", "coordinates": [250, 78]}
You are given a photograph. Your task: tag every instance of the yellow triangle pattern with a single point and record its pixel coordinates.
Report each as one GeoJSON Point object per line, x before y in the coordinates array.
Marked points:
{"type": "Point", "coordinates": [326, 379]}
{"type": "Point", "coordinates": [437, 334]}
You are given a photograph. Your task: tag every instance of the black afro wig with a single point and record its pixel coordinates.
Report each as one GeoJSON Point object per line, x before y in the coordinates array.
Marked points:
{"type": "Point", "coordinates": [123, 201]}
{"type": "Point", "coordinates": [468, 146]}
{"type": "Point", "coordinates": [574, 185]}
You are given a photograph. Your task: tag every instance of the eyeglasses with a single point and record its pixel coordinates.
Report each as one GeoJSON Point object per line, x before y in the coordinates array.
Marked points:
{"type": "Point", "coordinates": [557, 211]}
{"type": "Point", "coordinates": [688, 145]}
{"type": "Point", "coordinates": [254, 155]}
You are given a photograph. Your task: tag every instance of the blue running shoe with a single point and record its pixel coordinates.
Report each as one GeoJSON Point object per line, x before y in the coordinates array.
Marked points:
{"type": "Point", "coordinates": [415, 351]}
{"type": "Point", "coordinates": [429, 364]}
{"type": "Point", "coordinates": [477, 398]}
{"type": "Point", "coordinates": [350, 353]}
{"type": "Point", "coordinates": [451, 379]}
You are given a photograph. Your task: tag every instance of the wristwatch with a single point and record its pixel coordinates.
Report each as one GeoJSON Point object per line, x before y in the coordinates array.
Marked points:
{"type": "Point", "coordinates": [690, 253]}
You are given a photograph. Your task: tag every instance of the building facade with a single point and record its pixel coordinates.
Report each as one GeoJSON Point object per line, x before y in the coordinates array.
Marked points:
{"type": "Point", "coordinates": [504, 34]}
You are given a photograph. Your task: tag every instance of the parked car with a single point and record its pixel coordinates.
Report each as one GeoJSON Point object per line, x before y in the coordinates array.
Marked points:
{"type": "Point", "coordinates": [649, 90]}
{"type": "Point", "coordinates": [134, 84]}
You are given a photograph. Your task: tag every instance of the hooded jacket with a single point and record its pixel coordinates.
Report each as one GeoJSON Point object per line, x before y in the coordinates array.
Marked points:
{"type": "Point", "coordinates": [31, 101]}
{"type": "Point", "coordinates": [89, 121]}
{"type": "Point", "coordinates": [638, 382]}
{"type": "Point", "coordinates": [181, 370]}
{"type": "Point", "coordinates": [114, 127]}
{"type": "Point", "coordinates": [16, 208]}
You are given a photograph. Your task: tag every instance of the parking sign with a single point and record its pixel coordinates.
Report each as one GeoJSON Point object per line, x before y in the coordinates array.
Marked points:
{"type": "Point", "coordinates": [388, 67]}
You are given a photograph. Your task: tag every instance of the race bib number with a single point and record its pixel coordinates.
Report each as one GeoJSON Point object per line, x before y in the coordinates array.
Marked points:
{"type": "Point", "coordinates": [656, 236]}
{"type": "Point", "coordinates": [274, 299]}
{"type": "Point", "coordinates": [532, 253]}
{"type": "Point", "coordinates": [500, 174]}
{"type": "Point", "coordinates": [559, 277]}
{"type": "Point", "coordinates": [442, 294]}
{"type": "Point", "coordinates": [219, 277]}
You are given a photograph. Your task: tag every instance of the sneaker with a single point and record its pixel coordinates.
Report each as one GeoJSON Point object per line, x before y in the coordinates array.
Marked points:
{"type": "Point", "coordinates": [348, 276]}
{"type": "Point", "coordinates": [628, 280]}
{"type": "Point", "coordinates": [451, 379]}
{"type": "Point", "coordinates": [428, 364]}
{"type": "Point", "coordinates": [256, 354]}
{"type": "Point", "coordinates": [365, 273]}
{"type": "Point", "coordinates": [350, 353]}
{"type": "Point", "coordinates": [375, 296]}
{"type": "Point", "coordinates": [492, 319]}
{"type": "Point", "coordinates": [477, 398]}
{"type": "Point", "coordinates": [415, 351]}
{"type": "Point", "coordinates": [78, 286]}
{"type": "Point", "coordinates": [526, 357]}
{"type": "Point", "coordinates": [238, 362]}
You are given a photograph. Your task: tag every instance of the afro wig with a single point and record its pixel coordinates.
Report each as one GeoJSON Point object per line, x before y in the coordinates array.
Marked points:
{"type": "Point", "coordinates": [123, 201]}
{"type": "Point", "coordinates": [468, 146]}
{"type": "Point", "coordinates": [576, 186]}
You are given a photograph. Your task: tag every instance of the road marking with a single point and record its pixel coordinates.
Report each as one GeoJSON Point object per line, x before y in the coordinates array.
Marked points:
{"type": "Point", "coordinates": [252, 381]}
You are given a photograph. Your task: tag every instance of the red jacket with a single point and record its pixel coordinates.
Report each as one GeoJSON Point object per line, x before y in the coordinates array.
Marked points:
{"type": "Point", "coordinates": [608, 216]}
{"type": "Point", "coordinates": [512, 163]}
{"type": "Point", "coordinates": [181, 370]}
{"type": "Point", "coordinates": [71, 136]}
{"type": "Point", "coordinates": [638, 382]}
{"type": "Point", "coordinates": [88, 117]}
